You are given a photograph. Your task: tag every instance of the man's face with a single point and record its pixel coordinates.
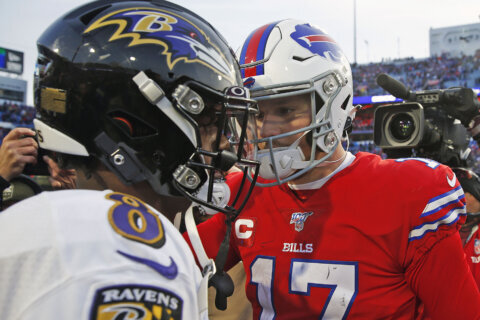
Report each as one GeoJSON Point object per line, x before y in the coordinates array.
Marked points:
{"type": "Point", "coordinates": [208, 124]}
{"type": "Point", "coordinates": [283, 115]}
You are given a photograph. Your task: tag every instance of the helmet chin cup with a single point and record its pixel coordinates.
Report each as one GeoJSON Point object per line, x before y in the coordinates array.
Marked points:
{"type": "Point", "coordinates": [220, 196]}
{"type": "Point", "coordinates": [280, 164]}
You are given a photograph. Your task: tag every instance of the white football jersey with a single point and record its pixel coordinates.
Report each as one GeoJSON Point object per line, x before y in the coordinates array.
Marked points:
{"type": "Point", "coordinates": [82, 254]}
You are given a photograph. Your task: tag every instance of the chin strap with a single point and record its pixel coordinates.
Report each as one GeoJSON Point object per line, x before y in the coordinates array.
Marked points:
{"type": "Point", "coordinates": [328, 162]}
{"type": "Point", "coordinates": [221, 281]}
{"type": "Point", "coordinates": [212, 271]}
{"type": "Point", "coordinates": [207, 265]}
{"type": "Point", "coordinates": [280, 160]}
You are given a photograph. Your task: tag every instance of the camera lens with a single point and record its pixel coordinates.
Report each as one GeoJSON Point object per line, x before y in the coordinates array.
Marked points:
{"type": "Point", "coordinates": [402, 126]}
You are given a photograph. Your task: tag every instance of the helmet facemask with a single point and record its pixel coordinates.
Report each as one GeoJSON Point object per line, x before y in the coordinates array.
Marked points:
{"type": "Point", "coordinates": [287, 162]}
{"type": "Point", "coordinates": [230, 115]}
{"type": "Point", "coordinates": [201, 110]}
{"type": "Point", "coordinates": [291, 58]}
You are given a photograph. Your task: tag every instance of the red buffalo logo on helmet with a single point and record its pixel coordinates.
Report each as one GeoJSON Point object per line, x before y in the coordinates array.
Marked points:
{"type": "Point", "coordinates": [317, 41]}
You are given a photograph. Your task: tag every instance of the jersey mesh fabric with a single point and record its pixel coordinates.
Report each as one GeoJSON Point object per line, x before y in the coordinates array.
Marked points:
{"type": "Point", "coordinates": [58, 249]}
{"type": "Point", "coordinates": [350, 249]}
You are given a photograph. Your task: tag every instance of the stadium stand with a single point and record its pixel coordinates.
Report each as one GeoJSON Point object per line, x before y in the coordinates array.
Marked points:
{"type": "Point", "coordinates": [419, 74]}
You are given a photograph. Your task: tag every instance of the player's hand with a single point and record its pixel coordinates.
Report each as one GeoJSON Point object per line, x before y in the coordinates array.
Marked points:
{"type": "Point", "coordinates": [18, 148]}
{"type": "Point", "coordinates": [60, 178]}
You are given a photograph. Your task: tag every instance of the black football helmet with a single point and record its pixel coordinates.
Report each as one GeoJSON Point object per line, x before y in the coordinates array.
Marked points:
{"type": "Point", "coordinates": [132, 83]}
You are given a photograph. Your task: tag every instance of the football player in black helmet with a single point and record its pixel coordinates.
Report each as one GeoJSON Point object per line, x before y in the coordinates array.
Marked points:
{"type": "Point", "coordinates": [145, 100]}
{"type": "Point", "coordinates": [142, 86]}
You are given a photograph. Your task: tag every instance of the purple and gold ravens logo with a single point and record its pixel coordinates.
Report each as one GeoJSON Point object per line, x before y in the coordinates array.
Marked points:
{"type": "Point", "coordinates": [169, 30]}
{"type": "Point", "coordinates": [135, 301]}
{"type": "Point", "coordinates": [317, 41]}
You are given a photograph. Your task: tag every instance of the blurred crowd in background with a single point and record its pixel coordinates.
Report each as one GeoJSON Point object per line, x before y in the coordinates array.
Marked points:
{"type": "Point", "coordinates": [15, 115]}
{"type": "Point", "coordinates": [419, 74]}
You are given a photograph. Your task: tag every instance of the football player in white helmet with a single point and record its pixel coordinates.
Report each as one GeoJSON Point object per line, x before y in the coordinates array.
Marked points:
{"type": "Point", "coordinates": [288, 61]}
{"type": "Point", "coordinates": [329, 234]}
{"type": "Point", "coordinates": [140, 98]}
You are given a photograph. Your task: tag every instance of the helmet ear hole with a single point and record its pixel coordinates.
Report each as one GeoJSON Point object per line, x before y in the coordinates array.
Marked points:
{"type": "Point", "coordinates": [124, 124]}
{"type": "Point", "coordinates": [131, 125]}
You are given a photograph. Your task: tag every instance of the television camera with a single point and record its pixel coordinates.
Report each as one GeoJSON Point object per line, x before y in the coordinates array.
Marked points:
{"type": "Point", "coordinates": [428, 124]}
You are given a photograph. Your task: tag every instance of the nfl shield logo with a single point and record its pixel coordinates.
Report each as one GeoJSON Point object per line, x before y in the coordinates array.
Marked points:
{"type": "Point", "coordinates": [477, 246]}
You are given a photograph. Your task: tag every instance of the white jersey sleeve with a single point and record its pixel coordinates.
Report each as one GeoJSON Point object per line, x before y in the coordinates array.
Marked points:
{"type": "Point", "coordinates": [79, 254]}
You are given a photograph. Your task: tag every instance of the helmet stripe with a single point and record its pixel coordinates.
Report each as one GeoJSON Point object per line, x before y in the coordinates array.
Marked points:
{"type": "Point", "coordinates": [254, 50]}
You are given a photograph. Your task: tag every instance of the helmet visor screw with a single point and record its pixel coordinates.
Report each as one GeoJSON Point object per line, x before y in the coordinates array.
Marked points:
{"type": "Point", "coordinates": [118, 159]}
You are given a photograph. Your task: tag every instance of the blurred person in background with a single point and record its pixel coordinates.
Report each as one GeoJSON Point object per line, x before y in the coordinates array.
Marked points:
{"type": "Point", "coordinates": [18, 149]}
{"type": "Point", "coordinates": [470, 233]}
{"type": "Point", "coordinates": [18, 154]}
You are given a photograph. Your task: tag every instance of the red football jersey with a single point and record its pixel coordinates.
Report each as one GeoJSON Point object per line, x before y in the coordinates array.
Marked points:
{"type": "Point", "coordinates": [376, 239]}
{"type": "Point", "coordinates": [472, 251]}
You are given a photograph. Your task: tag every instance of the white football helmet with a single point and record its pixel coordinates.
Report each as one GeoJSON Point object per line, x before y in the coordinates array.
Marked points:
{"type": "Point", "coordinates": [290, 58]}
